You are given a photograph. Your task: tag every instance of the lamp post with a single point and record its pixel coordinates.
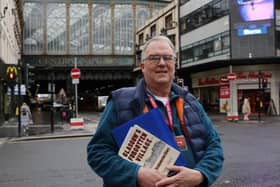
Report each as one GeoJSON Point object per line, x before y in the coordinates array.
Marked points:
{"type": "Point", "coordinates": [51, 91]}
{"type": "Point", "coordinates": [76, 92]}
{"type": "Point", "coordinates": [19, 98]}
{"type": "Point", "coordinates": [52, 101]}
{"type": "Point", "coordinates": [260, 92]}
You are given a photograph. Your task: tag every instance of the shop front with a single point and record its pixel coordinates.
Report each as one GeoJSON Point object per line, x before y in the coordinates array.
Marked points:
{"type": "Point", "coordinates": [219, 94]}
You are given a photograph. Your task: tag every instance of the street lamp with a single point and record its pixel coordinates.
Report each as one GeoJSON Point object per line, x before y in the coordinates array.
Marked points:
{"type": "Point", "coordinates": [19, 97]}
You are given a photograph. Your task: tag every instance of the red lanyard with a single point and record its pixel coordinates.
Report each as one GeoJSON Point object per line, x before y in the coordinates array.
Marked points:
{"type": "Point", "coordinates": [168, 111]}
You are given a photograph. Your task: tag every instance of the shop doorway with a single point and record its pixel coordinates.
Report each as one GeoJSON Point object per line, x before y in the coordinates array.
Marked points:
{"type": "Point", "coordinates": [254, 95]}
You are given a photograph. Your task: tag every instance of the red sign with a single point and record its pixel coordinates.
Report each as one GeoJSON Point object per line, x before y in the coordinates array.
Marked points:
{"type": "Point", "coordinates": [75, 73]}
{"type": "Point", "coordinates": [231, 76]}
{"type": "Point", "coordinates": [208, 81]}
{"type": "Point", "coordinates": [224, 92]}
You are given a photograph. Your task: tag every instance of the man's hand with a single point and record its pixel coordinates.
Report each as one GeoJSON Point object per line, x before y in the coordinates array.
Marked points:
{"type": "Point", "coordinates": [148, 177]}
{"type": "Point", "coordinates": [184, 177]}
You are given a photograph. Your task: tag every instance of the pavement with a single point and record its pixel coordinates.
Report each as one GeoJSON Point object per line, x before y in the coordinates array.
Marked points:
{"type": "Point", "coordinates": [61, 129]}
{"type": "Point", "coordinates": [91, 121]}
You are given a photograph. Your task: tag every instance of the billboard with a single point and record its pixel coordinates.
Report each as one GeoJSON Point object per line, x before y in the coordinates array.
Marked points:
{"type": "Point", "coordinates": [252, 28]}
{"type": "Point", "coordinates": [254, 10]}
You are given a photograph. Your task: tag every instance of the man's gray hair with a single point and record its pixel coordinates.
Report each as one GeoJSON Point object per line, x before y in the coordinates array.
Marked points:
{"type": "Point", "coordinates": [157, 38]}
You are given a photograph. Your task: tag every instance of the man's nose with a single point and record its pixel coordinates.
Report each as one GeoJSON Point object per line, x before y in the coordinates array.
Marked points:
{"type": "Point", "coordinates": [161, 61]}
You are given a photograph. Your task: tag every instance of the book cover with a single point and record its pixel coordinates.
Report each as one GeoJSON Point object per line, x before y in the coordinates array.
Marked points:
{"type": "Point", "coordinates": [147, 150]}
{"type": "Point", "coordinates": [154, 123]}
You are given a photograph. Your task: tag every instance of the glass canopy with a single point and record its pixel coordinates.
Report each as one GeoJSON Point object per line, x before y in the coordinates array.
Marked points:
{"type": "Point", "coordinates": [62, 28]}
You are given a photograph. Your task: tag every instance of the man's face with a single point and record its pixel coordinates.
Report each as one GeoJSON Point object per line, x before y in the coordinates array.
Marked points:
{"type": "Point", "coordinates": [158, 67]}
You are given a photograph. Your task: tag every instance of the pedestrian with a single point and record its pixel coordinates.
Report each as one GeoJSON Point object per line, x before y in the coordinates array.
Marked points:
{"type": "Point", "coordinates": [202, 147]}
{"type": "Point", "coordinates": [26, 118]}
{"type": "Point", "coordinates": [246, 109]}
{"type": "Point", "coordinates": [271, 110]}
{"type": "Point", "coordinates": [259, 104]}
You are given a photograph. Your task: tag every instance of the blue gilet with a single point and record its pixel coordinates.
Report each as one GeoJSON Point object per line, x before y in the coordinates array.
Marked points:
{"type": "Point", "coordinates": [130, 103]}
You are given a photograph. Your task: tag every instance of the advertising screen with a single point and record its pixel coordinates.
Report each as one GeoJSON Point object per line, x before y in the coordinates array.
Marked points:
{"type": "Point", "coordinates": [252, 28]}
{"type": "Point", "coordinates": [254, 10]}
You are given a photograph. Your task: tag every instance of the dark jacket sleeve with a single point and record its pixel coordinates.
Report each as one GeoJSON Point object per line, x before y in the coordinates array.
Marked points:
{"type": "Point", "coordinates": [102, 154]}
{"type": "Point", "coordinates": [211, 163]}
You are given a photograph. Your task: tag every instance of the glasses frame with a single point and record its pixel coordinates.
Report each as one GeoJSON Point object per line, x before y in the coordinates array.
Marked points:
{"type": "Point", "coordinates": [155, 59]}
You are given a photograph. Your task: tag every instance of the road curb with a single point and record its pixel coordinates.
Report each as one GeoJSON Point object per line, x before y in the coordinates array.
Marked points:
{"type": "Point", "coordinates": [45, 137]}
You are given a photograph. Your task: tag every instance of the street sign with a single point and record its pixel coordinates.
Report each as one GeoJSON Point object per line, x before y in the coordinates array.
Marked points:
{"type": "Point", "coordinates": [75, 81]}
{"type": "Point", "coordinates": [231, 76]}
{"type": "Point", "coordinates": [75, 73]}
{"type": "Point", "coordinates": [77, 123]}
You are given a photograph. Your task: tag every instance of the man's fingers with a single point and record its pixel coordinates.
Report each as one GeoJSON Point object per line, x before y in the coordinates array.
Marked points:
{"type": "Point", "coordinates": [166, 181]}
{"type": "Point", "coordinates": [174, 168]}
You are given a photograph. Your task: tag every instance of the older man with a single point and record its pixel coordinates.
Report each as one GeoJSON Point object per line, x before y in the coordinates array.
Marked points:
{"type": "Point", "coordinates": [185, 118]}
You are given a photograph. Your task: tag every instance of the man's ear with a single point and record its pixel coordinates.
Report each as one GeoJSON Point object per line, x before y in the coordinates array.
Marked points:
{"type": "Point", "coordinates": [142, 66]}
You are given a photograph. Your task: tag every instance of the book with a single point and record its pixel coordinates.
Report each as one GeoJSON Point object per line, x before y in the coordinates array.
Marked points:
{"type": "Point", "coordinates": [147, 150]}
{"type": "Point", "coordinates": [154, 123]}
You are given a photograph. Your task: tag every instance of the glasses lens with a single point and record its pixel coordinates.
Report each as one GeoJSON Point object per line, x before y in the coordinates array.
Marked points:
{"type": "Point", "coordinates": [156, 58]}
{"type": "Point", "coordinates": [168, 58]}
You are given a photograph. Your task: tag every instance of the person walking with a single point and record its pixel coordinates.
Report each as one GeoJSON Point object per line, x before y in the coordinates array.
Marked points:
{"type": "Point", "coordinates": [202, 148]}
{"type": "Point", "coordinates": [246, 109]}
{"type": "Point", "coordinates": [26, 118]}
{"type": "Point", "coordinates": [271, 109]}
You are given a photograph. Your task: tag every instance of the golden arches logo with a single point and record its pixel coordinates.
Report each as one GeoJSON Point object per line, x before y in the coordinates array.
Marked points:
{"type": "Point", "coordinates": [12, 72]}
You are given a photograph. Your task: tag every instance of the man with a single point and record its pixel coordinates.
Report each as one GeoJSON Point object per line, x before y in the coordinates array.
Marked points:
{"type": "Point", "coordinates": [202, 148]}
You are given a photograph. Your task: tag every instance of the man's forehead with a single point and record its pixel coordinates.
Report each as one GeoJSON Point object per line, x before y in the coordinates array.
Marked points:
{"type": "Point", "coordinates": [159, 46]}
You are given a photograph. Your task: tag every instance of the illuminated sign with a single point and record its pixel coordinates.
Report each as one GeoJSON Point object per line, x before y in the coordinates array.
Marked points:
{"type": "Point", "coordinates": [252, 30]}
{"type": "Point", "coordinates": [11, 72]}
{"type": "Point", "coordinates": [254, 10]}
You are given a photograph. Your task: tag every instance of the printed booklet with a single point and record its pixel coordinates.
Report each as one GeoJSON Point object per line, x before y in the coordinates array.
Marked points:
{"type": "Point", "coordinates": [147, 141]}
{"type": "Point", "coordinates": [147, 150]}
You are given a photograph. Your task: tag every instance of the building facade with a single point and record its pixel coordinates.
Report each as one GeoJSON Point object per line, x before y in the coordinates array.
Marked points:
{"type": "Point", "coordinates": [10, 53]}
{"type": "Point", "coordinates": [165, 22]}
{"type": "Point", "coordinates": [229, 50]}
{"type": "Point", "coordinates": [43, 40]}
{"type": "Point", "coordinates": [98, 36]}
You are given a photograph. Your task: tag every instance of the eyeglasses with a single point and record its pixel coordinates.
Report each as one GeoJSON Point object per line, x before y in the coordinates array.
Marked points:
{"type": "Point", "coordinates": [155, 59]}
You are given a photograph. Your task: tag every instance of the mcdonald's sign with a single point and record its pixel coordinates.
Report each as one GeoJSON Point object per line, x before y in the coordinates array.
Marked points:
{"type": "Point", "coordinates": [11, 72]}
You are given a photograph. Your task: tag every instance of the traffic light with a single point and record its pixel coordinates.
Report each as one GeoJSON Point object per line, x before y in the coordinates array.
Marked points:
{"type": "Point", "coordinates": [11, 76]}
{"type": "Point", "coordinates": [29, 76]}
{"type": "Point", "coordinates": [264, 83]}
